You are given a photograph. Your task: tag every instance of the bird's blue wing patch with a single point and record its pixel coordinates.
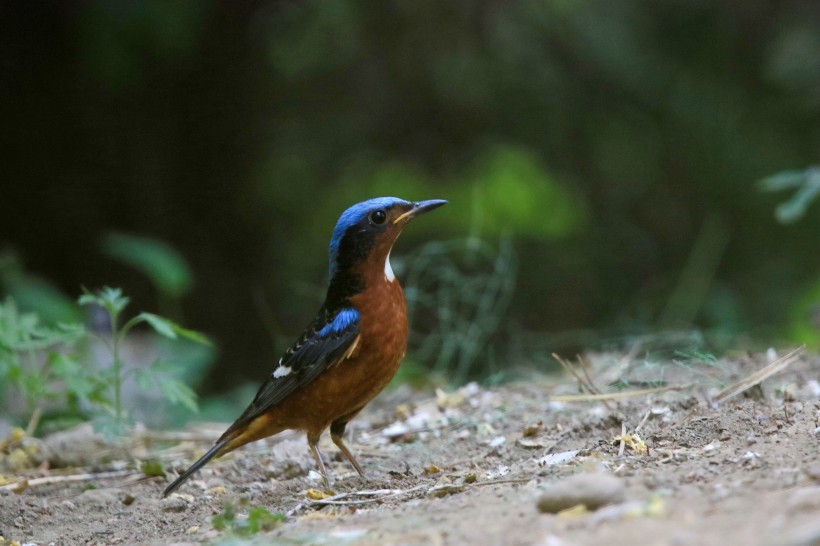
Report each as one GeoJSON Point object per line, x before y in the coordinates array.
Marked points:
{"type": "Point", "coordinates": [344, 320]}
{"type": "Point", "coordinates": [323, 344]}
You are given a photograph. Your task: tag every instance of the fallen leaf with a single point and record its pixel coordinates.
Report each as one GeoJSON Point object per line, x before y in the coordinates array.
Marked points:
{"type": "Point", "coordinates": [316, 494]}
{"type": "Point", "coordinates": [633, 442]}
{"type": "Point", "coordinates": [533, 429]}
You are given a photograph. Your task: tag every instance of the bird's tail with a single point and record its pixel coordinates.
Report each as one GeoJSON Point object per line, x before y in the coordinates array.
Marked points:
{"type": "Point", "coordinates": [218, 449]}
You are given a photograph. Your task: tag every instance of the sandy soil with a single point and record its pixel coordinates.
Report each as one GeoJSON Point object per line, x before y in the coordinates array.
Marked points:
{"type": "Point", "coordinates": [469, 467]}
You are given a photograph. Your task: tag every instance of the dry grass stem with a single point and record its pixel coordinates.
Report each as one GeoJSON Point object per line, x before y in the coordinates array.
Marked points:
{"type": "Point", "coordinates": [375, 495]}
{"type": "Point", "coordinates": [614, 395]}
{"type": "Point", "coordinates": [760, 375]}
{"type": "Point", "coordinates": [26, 483]}
{"type": "Point", "coordinates": [583, 379]}
{"type": "Point", "coordinates": [644, 420]}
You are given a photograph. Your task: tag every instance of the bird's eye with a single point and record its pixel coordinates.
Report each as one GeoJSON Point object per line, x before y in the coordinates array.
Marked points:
{"type": "Point", "coordinates": [378, 217]}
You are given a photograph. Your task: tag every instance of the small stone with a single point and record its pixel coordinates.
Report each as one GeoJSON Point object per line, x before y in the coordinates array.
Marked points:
{"type": "Point", "coordinates": [806, 535]}
{"type": "Point", "coordinates": [176, 503]}
{"type": "Point", "coordinates": [813, 472]}
{"type": "Point", "coordinates": [97, 497]}
{"type": "Point", "coordinates": [589, 490]}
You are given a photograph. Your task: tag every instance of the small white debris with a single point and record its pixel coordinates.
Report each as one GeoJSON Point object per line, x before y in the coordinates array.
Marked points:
{"type": "Point", "coordinates": [395, 430]}
{"type": "Point", "coordinates": [498, 441]}
{"type": "Point", "coordinates": [712, 446]}
{"type": "Point", "coordinates": [557, 458]}
{"type": "Point", "coordinates": [314, 477]}
{"type": "Point", "coordinates": [771, 354]}
{"type": "Point", "coordinates": [501, 471]}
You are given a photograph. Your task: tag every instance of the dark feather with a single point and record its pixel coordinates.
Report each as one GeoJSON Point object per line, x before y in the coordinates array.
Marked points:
{"type": "Point", "coordinates": [322, 345]}
{"type": "Point", "coordinates": [196, 466]}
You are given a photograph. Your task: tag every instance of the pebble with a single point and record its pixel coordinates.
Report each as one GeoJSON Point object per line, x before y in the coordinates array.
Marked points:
{"type": "Point", "coordinates": [97, 497]}
{"type": "Point", "coordinates": [813, 472]}
{"type": "Point", "coordinates": [807, 535]}
{"type": "Point", "coordinates": [590, 490]}
{"type": "Point", "coordinates": [174, 504]}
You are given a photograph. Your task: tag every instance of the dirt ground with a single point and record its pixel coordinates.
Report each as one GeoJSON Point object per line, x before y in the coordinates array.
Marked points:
{"type": "Point", "coordinates": [469, 467]}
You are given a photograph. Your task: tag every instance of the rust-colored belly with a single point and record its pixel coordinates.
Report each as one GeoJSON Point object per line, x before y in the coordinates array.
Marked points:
{"type": "Point", "coordinates": [347, 387]}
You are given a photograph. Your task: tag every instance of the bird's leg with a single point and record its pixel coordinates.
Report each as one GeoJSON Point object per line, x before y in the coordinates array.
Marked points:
{"type": "Point", "coordinates": [337, 430]}
{"type": "Point", "coordinates": [313, 442]}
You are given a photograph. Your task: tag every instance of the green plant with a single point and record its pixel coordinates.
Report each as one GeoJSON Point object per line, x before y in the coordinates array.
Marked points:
{"type": "Point", "coordinates": [162, 264]}
{"type": "Point", "coordinates": [259, 519]}
{"type": "Point", "coordinates": [462, 289]}
{"type": "Point", "coordinates": [160, 374]}
{"type": "Point", "coordinates": [806, 186]}
{"type": "Point", "coordinates": [42, 362]}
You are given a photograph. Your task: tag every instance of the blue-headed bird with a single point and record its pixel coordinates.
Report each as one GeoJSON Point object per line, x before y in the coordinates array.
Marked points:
{"type": "Point", "coordinates": [348, 353]}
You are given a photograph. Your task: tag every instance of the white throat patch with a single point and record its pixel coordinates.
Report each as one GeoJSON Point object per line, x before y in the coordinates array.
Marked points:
{"type": "Point", "coordinates": [388, 271]}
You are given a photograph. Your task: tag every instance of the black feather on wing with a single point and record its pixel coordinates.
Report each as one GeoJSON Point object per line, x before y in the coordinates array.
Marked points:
{"type": "Point", "coordinates": [324, 343]}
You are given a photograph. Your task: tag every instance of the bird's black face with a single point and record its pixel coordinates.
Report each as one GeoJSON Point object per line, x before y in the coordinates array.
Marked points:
{"type": "Point", "coordinates": [366, 231]}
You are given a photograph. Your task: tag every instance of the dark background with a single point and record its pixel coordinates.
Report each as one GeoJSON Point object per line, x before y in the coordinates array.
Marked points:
{"type": "Point", "coordinates": [609, 153]}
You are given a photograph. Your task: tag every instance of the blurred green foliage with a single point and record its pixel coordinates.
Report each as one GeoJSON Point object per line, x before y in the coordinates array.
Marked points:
{"type": "Point", "coordinates": [31, 292]}
{"type": "Point", "coordinates": [52, 367]}
{"type": "Point", "coordinates": [807, 188]}
{"type": "Point", "coordinates": [163, 265]}
{"type": "Point", "coordinates": [614, 147]}
{"type": "Point", "coordinates": [257, 520]}
{"type": "Point", "coordinates": [41, 363]}
{"type": "Point", "coordinates": [159, 376]}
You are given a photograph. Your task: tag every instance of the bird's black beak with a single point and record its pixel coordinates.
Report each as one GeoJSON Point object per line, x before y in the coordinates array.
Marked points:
{"type": "Point", "coordinates": [419, 208]}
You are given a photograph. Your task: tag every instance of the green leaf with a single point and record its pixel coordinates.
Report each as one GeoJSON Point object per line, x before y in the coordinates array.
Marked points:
{"type": "Point", "coordinates": [162, 326]}
{"type": "Point", "coordinates": [161, 263]}
{"type": "Point", "coordinates": [226, 518]}
{"type": "Point", "coordinates": [783, 180]}
{"type": "Point", "coordinates": [178, 392]}
{"type": "Point", "coordinates": [172, 330]}
{"type": "Point", "coordinates": [260, 519]}
{"type": "Point", "coordinates": [144, 378]}
{"type": "Point", "coordinates": [152, 468]}
{"type": "Point", "coordinates": [111, 299]}
{"type": "Point", "coordinates": [77, 381]}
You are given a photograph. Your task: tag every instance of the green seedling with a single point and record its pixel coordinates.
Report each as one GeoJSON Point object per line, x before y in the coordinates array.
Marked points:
{"type": "Point", "coordinates": [42, 364]}
{"type": "Point", "coordinates": [259, 519]}
{"type": "Point", "coordinates": [159, 375]}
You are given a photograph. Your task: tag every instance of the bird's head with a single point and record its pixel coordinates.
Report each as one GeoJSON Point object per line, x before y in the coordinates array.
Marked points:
{"type": "Point", "coordinates": [365, 233]}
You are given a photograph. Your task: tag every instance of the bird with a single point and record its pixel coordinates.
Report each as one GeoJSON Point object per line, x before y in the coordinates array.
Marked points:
{"type": "Point", "coordinates": [348, 353]}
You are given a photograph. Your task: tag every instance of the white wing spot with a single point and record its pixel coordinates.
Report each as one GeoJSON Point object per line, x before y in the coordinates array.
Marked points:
{"type": "Point", "coordinates": [281, 371]}
{"type": "Point", "coordinates": [388, 271]}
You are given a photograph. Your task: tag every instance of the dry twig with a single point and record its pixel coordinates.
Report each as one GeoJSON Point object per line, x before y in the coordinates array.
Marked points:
{"type": "Point", "coordinates": [760, 375]}
{"type": "Point", "coordinates": [583, 380]}
{"type": "Point", "coordinates": [26, 483]}
{"type": "Point", "coordinates": [614, 395]}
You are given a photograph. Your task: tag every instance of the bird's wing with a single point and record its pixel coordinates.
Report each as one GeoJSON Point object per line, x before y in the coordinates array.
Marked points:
{"type": "Point", "coordinates": [327, 341]}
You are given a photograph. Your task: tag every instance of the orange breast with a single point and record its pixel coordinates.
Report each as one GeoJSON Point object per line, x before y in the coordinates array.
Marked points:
{"type": "Point", "coordinates": [348, 386]}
